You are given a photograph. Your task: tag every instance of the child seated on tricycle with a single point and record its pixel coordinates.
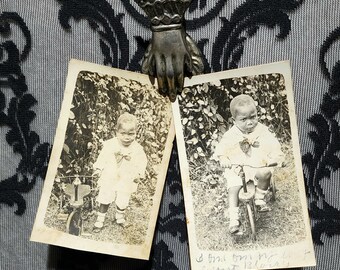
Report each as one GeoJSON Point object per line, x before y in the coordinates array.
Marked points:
{"type": "Point", "coordinates": [251, 143]}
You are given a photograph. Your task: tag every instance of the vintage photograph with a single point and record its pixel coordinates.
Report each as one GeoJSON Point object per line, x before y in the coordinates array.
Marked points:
{"type": "Point", "coordinates": [108, 164]}
{"type": "Point", "coordinates": [241, 170]}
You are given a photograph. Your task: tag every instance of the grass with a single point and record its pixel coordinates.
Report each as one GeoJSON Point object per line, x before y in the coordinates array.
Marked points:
{"type": "Point", "coordinates": [137, 218]}
{"type": "Point", "coordinates": [280, 227]}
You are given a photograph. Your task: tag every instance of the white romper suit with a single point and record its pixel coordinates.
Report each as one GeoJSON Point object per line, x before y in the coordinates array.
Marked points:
{"type": "Point", "coordinates": [120, 167]}
{"type": "Point", "coordinates": [265, 149]}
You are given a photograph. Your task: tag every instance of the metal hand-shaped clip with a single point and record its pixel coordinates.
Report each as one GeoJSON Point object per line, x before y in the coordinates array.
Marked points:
{"type": "Point", "coordinates": [171, 51]}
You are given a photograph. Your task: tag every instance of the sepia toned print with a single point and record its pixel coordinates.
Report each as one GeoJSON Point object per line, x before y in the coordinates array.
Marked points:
{"type": "Point", "coordinates": [241, 169]}
{"type": "Point", "coordinates": [108, 164]}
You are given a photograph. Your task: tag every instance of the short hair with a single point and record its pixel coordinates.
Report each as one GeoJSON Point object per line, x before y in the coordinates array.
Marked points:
{"type": "Point", "coordinates": [240, 100]}
{"type": "Point", "coordinates": [126, 118]}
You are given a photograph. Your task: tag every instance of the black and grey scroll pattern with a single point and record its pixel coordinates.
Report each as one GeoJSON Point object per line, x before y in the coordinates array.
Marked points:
{"type": "Point", "coordinates": [323, 163]}
{"type": "Point", "coordinates": [224, 51]}
{"type": "Point", "coordinates": [244, 23]}
{"type": "Point", "coordinates": [102, 18]}
{"type": "Point", "coordinates": [16, 115]}
{"type": "Point", "coordinates": [171, 225]}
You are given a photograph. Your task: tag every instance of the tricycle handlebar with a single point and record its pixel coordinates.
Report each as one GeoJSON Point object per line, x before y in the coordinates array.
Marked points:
{"type": "Point", "coordinates": [274, 164]}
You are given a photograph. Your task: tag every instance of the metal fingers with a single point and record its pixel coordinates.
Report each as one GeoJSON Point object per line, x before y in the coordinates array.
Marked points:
{"type": "Point", "coordinates": [169, 56]}
{"type": "Point", "coordinates": [170, 78]}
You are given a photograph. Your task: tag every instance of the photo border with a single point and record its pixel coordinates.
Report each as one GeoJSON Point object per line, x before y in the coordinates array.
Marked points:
{"type": "Point", "coordinates": [42, 233]}
{"type": "Point", "coordinates": [296, 255]}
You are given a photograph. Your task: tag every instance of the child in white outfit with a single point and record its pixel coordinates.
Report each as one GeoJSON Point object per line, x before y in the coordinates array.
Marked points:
{"type": "Point", "coordinates": [247, 142]}
{"type": "Point", "coordinates": [121, 164]}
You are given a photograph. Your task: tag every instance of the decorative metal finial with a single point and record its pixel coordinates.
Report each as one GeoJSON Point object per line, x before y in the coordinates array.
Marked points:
{"type": "Point", "coordinates": [171, 50]}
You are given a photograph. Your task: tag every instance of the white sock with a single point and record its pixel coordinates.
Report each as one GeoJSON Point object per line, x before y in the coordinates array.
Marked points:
{"type": "Point", "coordinates": [234, 213]}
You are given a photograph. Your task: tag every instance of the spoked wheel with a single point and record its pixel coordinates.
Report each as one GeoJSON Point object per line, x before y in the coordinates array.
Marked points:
{"type": "Point", "coordinates": [74, 223]}
{"type": "Point", "coordinates": [251, 219]}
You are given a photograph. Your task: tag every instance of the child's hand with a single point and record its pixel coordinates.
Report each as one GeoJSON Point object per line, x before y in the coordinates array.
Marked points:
{"type": "Point", "coordinates": [227, 164]}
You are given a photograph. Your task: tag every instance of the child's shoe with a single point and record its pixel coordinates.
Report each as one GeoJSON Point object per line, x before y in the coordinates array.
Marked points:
{"type": "Point", "coordinates": [234, 220]}
{"type": "Point", "coordinates": [120, 217]}
{"type": "Point", "coordinates": [260, 200]}
{"type": "Point", "coordinates": [98, 225]}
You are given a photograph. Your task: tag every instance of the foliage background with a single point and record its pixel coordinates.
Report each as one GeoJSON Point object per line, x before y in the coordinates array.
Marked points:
{"type": "Point", "coordinates": [206, 106]}
{"type": "Point", "coordinates": [97, 103]}
{"type": "Point", "coordinates": [205, 117]}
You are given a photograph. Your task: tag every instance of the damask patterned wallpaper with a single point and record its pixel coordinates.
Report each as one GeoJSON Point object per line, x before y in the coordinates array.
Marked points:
{"type": "Point", "coordinates": [37, 39]}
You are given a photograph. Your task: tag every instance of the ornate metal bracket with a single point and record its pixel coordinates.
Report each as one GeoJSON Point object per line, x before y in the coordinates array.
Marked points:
{"type": "Point", "coordinates": [171, 51]}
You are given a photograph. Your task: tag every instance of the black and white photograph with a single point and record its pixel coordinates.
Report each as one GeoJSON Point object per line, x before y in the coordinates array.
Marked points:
{"type": "Point", "coordinates": [108, 164]}
{"type": "Point", "coordinates": [241, 170]}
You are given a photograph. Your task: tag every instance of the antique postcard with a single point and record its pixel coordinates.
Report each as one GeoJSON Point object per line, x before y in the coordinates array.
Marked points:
{"type": "Point", "coordinates": [108, 164]}
{"type": "Point", "coordinates": [241, 169]}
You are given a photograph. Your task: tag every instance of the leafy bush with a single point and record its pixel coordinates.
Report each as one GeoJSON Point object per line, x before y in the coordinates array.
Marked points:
{"type": "Point", "coordinates": [206, 115]}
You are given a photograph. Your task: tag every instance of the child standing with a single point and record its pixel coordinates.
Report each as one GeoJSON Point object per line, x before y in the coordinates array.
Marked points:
{"type": "Point", "coordinates": [251, 143]}
{"type": "Point", "coordinates": [121, 164]}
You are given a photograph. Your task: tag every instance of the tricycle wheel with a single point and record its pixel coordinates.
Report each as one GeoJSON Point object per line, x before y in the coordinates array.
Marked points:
{"type": "Point", "coordinates": [74, 223]}
{"type": "Point", "coordinates": [251, 219]}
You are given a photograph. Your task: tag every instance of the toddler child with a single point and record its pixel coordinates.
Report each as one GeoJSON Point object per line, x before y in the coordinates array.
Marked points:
{"type": "Point", "coordinates": [247, 142]}
{"type": "Point", "coordinates": [121, 164]}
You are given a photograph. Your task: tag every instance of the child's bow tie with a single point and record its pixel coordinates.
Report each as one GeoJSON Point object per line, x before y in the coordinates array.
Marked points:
{"type": "Point", "coordinates": [119, 157]}
{"type": "Point", "coordinates": [246, 145]}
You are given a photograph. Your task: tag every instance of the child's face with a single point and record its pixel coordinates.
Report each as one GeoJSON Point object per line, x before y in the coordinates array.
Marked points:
{"type": "Point", "coordinates": [246, 118]}
{"type": "Point", "coordinates": [126, 133]}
